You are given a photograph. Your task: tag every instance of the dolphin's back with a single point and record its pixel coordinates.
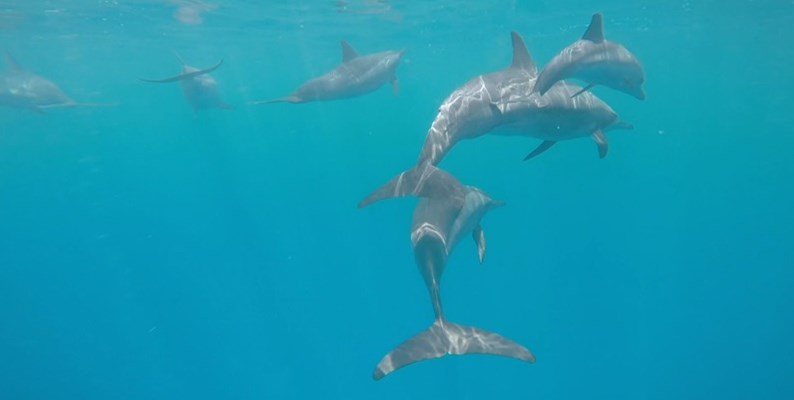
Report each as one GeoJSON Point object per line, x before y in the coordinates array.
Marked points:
{"type": "Point", "coordinates": [471, 111]}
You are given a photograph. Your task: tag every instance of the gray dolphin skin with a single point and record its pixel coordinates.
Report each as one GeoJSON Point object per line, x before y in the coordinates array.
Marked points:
{"type": "Point", "coordinates": [470, 111]}
{"type": "Point", "coordinates": [503, 103]}
{"type": "Point", "coordinates": [597, 61]}
{"type": "Point", "coordinates": [558, 115]}
{"type": "Point", "coordinates": [447, 212]}
{"type": "Point", "coordinates": [356, 76]}
{"type": "Point", "coordinates": [20, 88]}
{"type": "Point", "coordinates": [200, 88]}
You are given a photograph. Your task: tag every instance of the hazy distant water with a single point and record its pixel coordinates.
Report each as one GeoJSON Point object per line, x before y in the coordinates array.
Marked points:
{"type": "Point", "coordinates": [149, 254]}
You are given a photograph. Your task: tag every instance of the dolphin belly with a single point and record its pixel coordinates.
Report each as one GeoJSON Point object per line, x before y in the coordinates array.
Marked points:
{"type": "Point", "coordinates": [556, 124]}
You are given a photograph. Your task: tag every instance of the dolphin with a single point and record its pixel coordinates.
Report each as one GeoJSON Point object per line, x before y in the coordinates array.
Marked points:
{"type": "Point", "coordinates": [200, 89]}
{"type": "Point", "coordinates": [503, 103]}
{"type": "Point", "coordinates": [447, 211]}
{"type": "Point", "coordinates": [357, 75]}
{"type": "Point", "coordinates": [471, 110]}
{"type": "Point", "coordinates": [597, 61]}
{"type": "Point", "coordinates": [20, 88]}
{"type": "Point", "coordinates": [564, 112]}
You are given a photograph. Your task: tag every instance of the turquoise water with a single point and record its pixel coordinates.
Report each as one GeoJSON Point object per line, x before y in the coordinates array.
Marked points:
{"type": "Point", "coordinates": [148, 252]}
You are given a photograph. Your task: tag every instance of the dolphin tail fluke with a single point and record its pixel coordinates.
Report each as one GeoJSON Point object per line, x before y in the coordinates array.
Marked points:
{"type": "Point", "coordinates": [424, 180]}
{"type": "Point", "coordinates": [445, 337]}
{"type": "Point", "coordinates": [186, 75]}
{"type": "Point", "coordinates": [288, 99]}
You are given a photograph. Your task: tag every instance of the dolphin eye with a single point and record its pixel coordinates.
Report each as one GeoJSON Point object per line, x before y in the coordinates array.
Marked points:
{"type": "Point", "coordinates": [628, 83]}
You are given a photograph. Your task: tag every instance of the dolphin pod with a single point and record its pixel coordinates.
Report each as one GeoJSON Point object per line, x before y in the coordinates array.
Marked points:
{"type": "Point", "coordinates": [509, 102]}
{"type": "Point", "coordinates": [505, 103]}
{"type": "Point", "coordinates": [519, 100]}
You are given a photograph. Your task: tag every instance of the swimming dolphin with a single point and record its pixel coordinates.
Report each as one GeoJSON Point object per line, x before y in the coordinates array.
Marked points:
{"type": "Point", "coordinates": [564, 112]}
{"type": "Point", "coordinates": [357, 75]}
{"type": "Point", "coordinates": [200, 89]}
{"type": "Point", "coordinates": [471, 110]}
{"type": "Point", "coordinates": [446, 213]}
{"type": "Point", "coordinates": [24, 89]}
{"type": "Point", "coordinates": [503, 103]}
{"type": "Point", "coordinates": [597, 61]}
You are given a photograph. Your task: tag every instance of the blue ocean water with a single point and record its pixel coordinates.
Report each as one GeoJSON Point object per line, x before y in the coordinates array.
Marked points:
{"type": "Point", "coordinates": [150, 252]}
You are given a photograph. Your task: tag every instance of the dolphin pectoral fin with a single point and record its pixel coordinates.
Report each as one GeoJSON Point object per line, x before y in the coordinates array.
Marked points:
{"type": "Point", "coordinates": [395, 86]}
{"type": "Point", "coordinates": [348, 53]}
{"type": "Point", "coordinates": [443, 338]}
{"type": "Point", "coordinates": [186, 75]}
{"type": "Point", "coordinates": [540, 149]}
{"type": "Point", "coordinates": [584, 89]}
{"type": "Point", "coordinates": [479, 237]}
{"type": "Point", "coordinates": [288, 99]}
{"type": "Point", "coordinates": [595, 32]}
{"type": "Point", "coordinates": [544, 82]}
{"type": "Point", "coordinates": [601, 141]}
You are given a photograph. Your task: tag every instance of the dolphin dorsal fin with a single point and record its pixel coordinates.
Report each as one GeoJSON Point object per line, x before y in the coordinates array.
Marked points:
{"type": "Point", "coordinates": [348, 53]}
{"type": "Point", "coordinates": [521, 57]}
{"type": "Point", "coordinates": [595, 32]}
{"type": "Point", "coordinates": [12, 63]}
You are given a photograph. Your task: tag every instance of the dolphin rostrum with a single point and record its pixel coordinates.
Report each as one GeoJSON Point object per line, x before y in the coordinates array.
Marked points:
{"type": "Point", "coordinates": [200, 88]}
{"type": "Point", "coordinates": [357, 75]}
{"type": "Point", "coordinates": [503, 103]}
{"type": "Point", "coordinates": [597, 61]}
{"type": "Point", "coordinates": [447, 211]}
{"type": "Point", "coordinates": [20, 88]}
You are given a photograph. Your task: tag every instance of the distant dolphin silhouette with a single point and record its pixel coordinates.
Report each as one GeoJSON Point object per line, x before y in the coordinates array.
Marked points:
{"type": "Point", "coordinates": [446, 213]}
{"type": "Point", "coordinates": [503, 103]}
{"type": "Point", "coordinates": [357, 75]}
{"type": "Point", "coordinates": [200, 89]}
{"type": "Point", "coordinates": [24, 89]}
{"type": "Point", "coordinates": [596, 61]}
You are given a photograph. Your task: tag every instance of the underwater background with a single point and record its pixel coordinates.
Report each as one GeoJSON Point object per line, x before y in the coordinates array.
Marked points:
{"type": "Point", "coordinates": [149, 252]}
